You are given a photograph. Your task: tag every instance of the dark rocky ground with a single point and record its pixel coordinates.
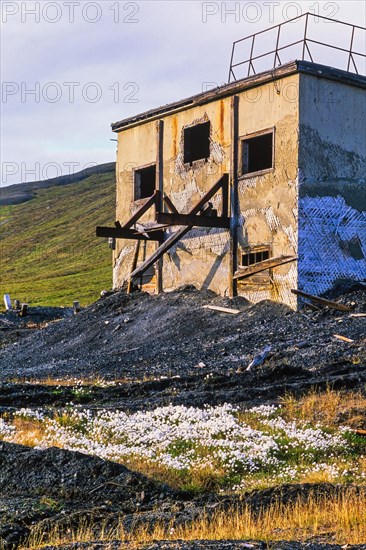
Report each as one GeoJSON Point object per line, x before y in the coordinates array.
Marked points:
{"type": "Point", "coordinates": [161, 349]}
{"type": "Point", "coordinates": [59, 487]}
{"type": "Point", "coordinates": [169, 349]}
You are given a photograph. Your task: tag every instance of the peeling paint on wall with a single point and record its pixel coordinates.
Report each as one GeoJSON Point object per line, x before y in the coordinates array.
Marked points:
{"type": "Point", "coordinates": [292, 236]}
{"type": "Point", "coordinates": [318, 167]}
{"type": "Point", "coordinates": [182, 200]}
{"type": "Point", "coordinates": [258, 295]}
{"type": "Point", "coordinates": [217, 153]}
{"type": "Point", "coordinates": [282, 285]}
{"type": "Point", "coordinates": [126, 251]}
{"type": "Point", "coordinates": [215, 241]}
{"type": "Point", "coordinates": [248, 183]}
{"type": "Point", "coordinates": [332, 243]}
{"type": "Point", "coordinates": [272, 220]}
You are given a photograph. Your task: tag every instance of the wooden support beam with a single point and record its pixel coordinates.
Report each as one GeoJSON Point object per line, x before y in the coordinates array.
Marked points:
{"type": "Point", "coordinates": [141, 211]}
{"type": "Point", "coordinates": [175, 237]}
{"type": "Point", "coordinates": [121, 233]}
{"type": "Point", "coordinates": [170, 205]}
{"type": "Point", "coordinates": [159, 185]}
{"type": "Point", "coordinates": [244, 272]}
{"type": "Point", "coordinates": [164, 247]}
{"type": "Point", "coordinates": [192, 221]}
{"type": "Point", "coordinates": [234, 203]}
{"type": "Point", "coordinates": [223, 309]}
{"type": "Point", "coordinates": [225, 200]}
{"type": "Point", "coordinates": [323, 301]}
{"type": "Point", "coordinates": [133, 267]}
{"type": "Point", "coordinates": [214, 189]}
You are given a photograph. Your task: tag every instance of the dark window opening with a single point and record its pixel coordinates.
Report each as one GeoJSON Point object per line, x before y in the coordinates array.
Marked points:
{"type": "Point", "coordinates": [144, 182]}
{"type": "Point", "coordinates": [197, 142]}
{"type": "Point", "coordinates": [257, 153]}
{"type": "Point", "coordinates": [254, 255]}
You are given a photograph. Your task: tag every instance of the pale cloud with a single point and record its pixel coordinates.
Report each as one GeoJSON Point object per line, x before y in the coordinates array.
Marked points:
{"type": "Point", "coordinates": [136, 56]}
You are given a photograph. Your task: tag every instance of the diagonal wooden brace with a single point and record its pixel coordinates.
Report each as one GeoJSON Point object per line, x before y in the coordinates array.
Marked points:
{"type": "Point", "coordinates": [154, 199]}
{"type": "Point", "coordinates": [175, 237]}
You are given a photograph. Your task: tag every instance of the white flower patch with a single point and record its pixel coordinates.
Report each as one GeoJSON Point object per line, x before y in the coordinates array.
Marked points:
{"type": "Point", "coordinates": [264, 410]}
{"type": "Point", "coordinates": [212, 439]}
{"type": "Point", "coordinates": [6, 430]}
{"type": "Point", "coordinates": [30, 413]}
{"type": "Point", "coordinates": [310, 438]}
{"type": "Point", "coordinates": [174, 436]}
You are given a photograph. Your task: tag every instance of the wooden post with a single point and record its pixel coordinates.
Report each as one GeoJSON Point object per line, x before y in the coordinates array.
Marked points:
{"type": "Point", "coordinates": [7, 302]}
{"type": "Point", "coordinates": [159, 184]}
{"type": "Point", "coordinates": [23, 310]}
{"type": "Point", "coordinates": [134, 265]}
{"type": "Point", "coordinates": [233, 286]}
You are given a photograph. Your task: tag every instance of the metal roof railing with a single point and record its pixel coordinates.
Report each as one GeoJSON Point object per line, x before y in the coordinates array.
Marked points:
{"type": "Point", "coordinates": [305, 41]}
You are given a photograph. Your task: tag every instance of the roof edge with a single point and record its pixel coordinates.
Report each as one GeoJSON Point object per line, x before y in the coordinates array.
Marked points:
{"type": "Point", "coordinates": [282, 71]}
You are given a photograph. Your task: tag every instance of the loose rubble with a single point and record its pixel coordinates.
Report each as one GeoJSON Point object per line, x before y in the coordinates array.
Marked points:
{"type": "Point", "coordinates": [136, 353]}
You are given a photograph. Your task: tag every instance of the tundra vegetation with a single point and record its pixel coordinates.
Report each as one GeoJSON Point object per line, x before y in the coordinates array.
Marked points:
{"type": "Point", "coordinates": [225, 449]}
{"type": "Point", "coordinates": [49, 253]}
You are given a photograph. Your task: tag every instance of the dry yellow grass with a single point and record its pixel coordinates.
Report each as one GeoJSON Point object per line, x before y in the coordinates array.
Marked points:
{"type": "Point", "coordinates": [29, 432]}
{"type": "Point", "coordinates": [72, 382]}
{"type": "Point", "coordinates": [203, 479]}
{"type": "Point", "coordinates": [339, 520]}
{"type": "Point", "coordinates": [330, 407]}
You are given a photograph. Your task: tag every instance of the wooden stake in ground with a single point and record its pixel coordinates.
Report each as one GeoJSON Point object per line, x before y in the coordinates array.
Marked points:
{"type": "Point", "coordinates": [343, 338]}
{"type": "Point", "coordinates": [23, 310]}
{"type": "Point", "coordinates": [133, 267]}
{"type": "Point", "coordinates": [323, 301]}
{"type": "Point", "coordinates": [7, 301]}
{"type": "Point", "coordinates": [223, 309]}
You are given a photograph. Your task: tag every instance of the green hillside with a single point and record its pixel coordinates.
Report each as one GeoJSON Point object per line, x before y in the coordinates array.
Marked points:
{"type": "Point", "coordinates": [49, 254]}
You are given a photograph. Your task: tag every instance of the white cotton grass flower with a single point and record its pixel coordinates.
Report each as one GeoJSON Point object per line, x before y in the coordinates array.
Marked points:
{"type": "Point", "coordinates": [37, 414]}
{"type": "Point", "coordinates": [191, 439]}
{"type": "Point", "coordinates": [6, 430]}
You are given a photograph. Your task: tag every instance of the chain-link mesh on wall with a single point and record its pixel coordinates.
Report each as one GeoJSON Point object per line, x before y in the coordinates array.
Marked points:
{"type": "Point", "coordinates": [332, 243]}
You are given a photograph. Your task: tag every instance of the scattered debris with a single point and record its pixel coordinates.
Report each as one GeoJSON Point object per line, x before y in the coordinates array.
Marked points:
{"type": "Point", "coordinates": [23, 310]}
{"type": "Point", "coordinates": [259, 359]}
{"type": "Point", "coordinates": [302, 345]}
{"type": "Point", "coordinates": [343, 338]}
{"type": "Point", "coordinates": [168, 332]}
{"type": "Point", "coordinates": [323, 301]}
{"type": "Point", "coordinates": [244, 272]}
{"type": "Point", "coordinates": [7, 301]}
{"type": "Point", "coordinates": [222, 309]}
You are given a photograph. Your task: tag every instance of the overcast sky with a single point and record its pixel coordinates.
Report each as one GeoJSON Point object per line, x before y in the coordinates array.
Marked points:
{"type": "Point", "coordinates": [70, 68]}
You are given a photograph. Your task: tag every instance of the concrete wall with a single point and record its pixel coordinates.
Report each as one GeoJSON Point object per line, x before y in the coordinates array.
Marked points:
{"type": "Point", "coordinates": [267, 202]}
{"type": "Point", "coordinates": [332, 185]}
{"type": "Point", "coordinates": [191, 260]}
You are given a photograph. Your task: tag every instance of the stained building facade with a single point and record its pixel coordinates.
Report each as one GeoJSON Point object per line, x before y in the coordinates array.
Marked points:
{"type": "Point", "coordinates": [254, 188]}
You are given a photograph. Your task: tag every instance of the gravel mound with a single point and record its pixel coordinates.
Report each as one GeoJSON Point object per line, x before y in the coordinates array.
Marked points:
{"type": "Point", "coordinates": [138, 336]}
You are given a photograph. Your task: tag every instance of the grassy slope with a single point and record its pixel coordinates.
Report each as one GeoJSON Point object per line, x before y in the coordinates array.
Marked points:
{"type": "Point", "coordinates": [49, 254]}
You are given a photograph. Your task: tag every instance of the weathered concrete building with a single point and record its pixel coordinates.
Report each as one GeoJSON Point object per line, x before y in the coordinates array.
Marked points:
{"type": "Point", "coordinates": [256, 187]}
